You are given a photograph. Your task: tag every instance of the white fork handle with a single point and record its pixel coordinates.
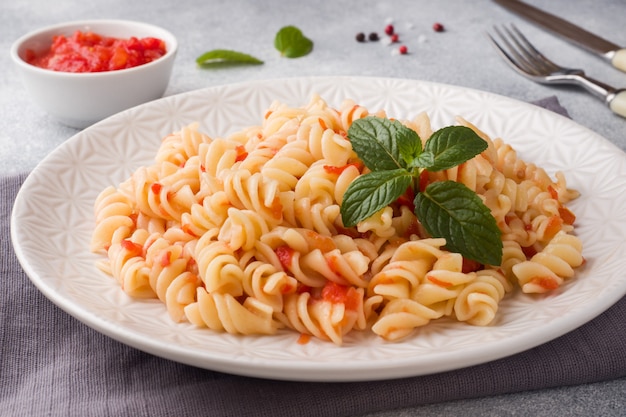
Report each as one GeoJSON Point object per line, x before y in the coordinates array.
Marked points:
{"type": "Point", "coordinates": [618, 103]}
{"type": "Point", "coordinates": [619, 59]}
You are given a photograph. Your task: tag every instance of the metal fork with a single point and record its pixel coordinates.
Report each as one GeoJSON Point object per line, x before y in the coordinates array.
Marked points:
{"type": "Point", "coordinates": [524, 58]}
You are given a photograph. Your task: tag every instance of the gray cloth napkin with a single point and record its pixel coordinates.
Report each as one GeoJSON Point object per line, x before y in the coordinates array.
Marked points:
{"type": "Point", "coordinates": [53, 365]}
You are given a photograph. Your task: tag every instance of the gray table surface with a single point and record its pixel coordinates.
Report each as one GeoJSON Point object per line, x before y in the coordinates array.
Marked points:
{"type": "Point", "coordinates": [460, 55]}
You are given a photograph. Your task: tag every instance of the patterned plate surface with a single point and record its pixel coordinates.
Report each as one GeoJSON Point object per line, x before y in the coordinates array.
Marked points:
{"type": "Point", "coordinates": [53, 218]}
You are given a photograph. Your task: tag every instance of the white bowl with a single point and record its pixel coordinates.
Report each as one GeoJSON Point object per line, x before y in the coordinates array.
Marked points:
{"type": "Point", "coordinates": [81, 99]}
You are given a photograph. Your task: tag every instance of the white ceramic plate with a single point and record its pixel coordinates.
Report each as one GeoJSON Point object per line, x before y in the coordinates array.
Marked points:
{"type": "Point", "coordinates": [53, 219]}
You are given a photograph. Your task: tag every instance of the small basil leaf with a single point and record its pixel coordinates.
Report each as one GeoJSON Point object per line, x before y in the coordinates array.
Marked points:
{"type": "Point", "coordinates": [452, 211]}
{"type": "Point", "coordinates": [217, 57]}
{"type": "Point", "coordinates": [291, 43]}
{"type": "Point", "coordinates": [452, 146]}
{"type": "Point", "coordinates": [374, 141]}
{"type": "Point", "coordinates": [371, 192]}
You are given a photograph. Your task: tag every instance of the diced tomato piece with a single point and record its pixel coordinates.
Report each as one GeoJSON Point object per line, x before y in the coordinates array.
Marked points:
{"type": "Point", "coordinates": [285, 256]}
{"type": "Point", "coordinates": [241, 153]}
{"type": "Point", "coordinates": [350, 113]}
{"type": "Point", "coordinates": [287, 289]}
{"type": "Point", "coordinates": [423, 180]}
{"type": "Point", "coordinates": [555, 223]}
{"type": "Point", "coordinates": [119, 58]}
{"type": "Point", "coordinates": [134, 249]}
{"type": "Point", "coordinates": [323, 243]}
{"type": "Point", "coordinates": [187, 229]}
{"type": "Point", "coordinates": [302, 288]}
{"type": "Point", "coordinates": [470, 265]}
{"type": "Point", "coordinates": [331, 169]}
{"type": "Point", "coordinates": [165, 258]}
{"type": "Point", "coordinates": [549, 283]}
{"type": "Point", "coordinates": [352, 232]}
{"type": "Point", "coordinates": [304, 339]}
{"type": "Point", "coordinates": [407, 199]}
{"type": "Point", "coordinates": [341, 294]}
{"type": "Point", "coordinates": [553, 192]}
{"type": "Point", "coordinates": [567, 216]}
{"type": "Point", "coordinates": [277, 209]}
{"type": "Point", "coordinates": [529, 251]}
{"type": "Point", "coordinates": [333, 263]}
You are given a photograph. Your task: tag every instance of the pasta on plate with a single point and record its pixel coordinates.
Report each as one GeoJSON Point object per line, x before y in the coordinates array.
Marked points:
{"type": "Point", "coordinates": [243, 234]}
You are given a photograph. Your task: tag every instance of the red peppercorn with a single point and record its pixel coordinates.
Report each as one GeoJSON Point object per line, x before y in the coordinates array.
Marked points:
{"type": "Point", "coordinates": [389, 30]}
{"type": "Point", "coordinates": [403, 49]}
{"type": "Point", "coordinates": [438, 27]}
{"type": "Point", "coordinates": [394, 38]}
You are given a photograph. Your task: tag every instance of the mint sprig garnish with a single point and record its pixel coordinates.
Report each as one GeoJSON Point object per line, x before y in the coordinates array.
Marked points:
{"type": "Point", "coordinates": [447, 209]}
{"type": "Point", "coordinates": [291, 42]}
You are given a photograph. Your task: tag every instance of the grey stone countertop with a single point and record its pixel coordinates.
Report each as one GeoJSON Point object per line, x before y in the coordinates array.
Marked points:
{"type": "Point", "coordinates": [460, 55]}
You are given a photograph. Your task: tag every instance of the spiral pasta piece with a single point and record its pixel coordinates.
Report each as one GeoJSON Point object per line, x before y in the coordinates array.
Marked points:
{"type": "Point", "coordinates": [478, 301]}
{"type": "Point", "coordinates": [400, 317]}
{"type": "Point", "coordinates": [113, 219]}
{"type": "Point", "coordinates": [324, 319]}
{"type": "Point", "coordinates": [211, 214]}
{"type": "Point", "coordinates": [180, 293]}
{"type": "Point", "coordinates": [222, 312]}
{"type": "Point", "coordinates": [127, 263]}
{"type": "Point", "coordinates": [218, 267]}
{"type": "Point", "coordinates": [268, 284]}
{"type": "Point", "coordinates": [242, 229]}
{"type": "Point", "coordinates": [251, 192]}
{"type": "Point", "coordinates": [288, 165]}
{"type": "Point", "coordinates": [406, 269]}
{"type": "Point", "coordinates": [547, 269]}
{"type": "Point", "coordinates": [178, 147]}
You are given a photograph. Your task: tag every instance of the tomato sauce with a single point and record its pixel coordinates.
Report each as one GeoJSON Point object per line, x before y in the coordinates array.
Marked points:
{"type": "Point", "coordinates": [91, 52]}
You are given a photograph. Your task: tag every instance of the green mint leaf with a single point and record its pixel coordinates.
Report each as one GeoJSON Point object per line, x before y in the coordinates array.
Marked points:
{"type": "Point", "coordinates": [452, 211]}
{"type": "Point", "coordinates": [378, 144]}
{"type": "Point", "coordinates": [452, 146]}
{"type": "Point", "coordinates": [221, 57]}
{"type": "Point", "coordinates": [409, 143]}
{"type": "Point", "coordinates": [371, 192]}
{"type": "Point", "coordinates": [291, 42]}
{"type": "Point", "coordinates": [425, 159]}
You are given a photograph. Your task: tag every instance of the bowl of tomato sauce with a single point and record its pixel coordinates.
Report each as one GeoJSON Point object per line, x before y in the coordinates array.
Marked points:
{"type": "Point", "coordinates": [84, 71]}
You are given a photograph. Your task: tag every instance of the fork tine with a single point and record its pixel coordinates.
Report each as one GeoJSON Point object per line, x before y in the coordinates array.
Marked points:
{"type": "Point", "coordinates": [521, 54]}
{"type": "Point", "coordinates": [524, 57]}
{"type": "Point", "coordinates": [510, 54]}
{"type": "Point", "coordinates": [530, 51]}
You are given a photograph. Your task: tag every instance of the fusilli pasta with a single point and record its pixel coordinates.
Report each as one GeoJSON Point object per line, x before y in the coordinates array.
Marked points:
{"type": "Point", "coordinates": [243, 234]}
